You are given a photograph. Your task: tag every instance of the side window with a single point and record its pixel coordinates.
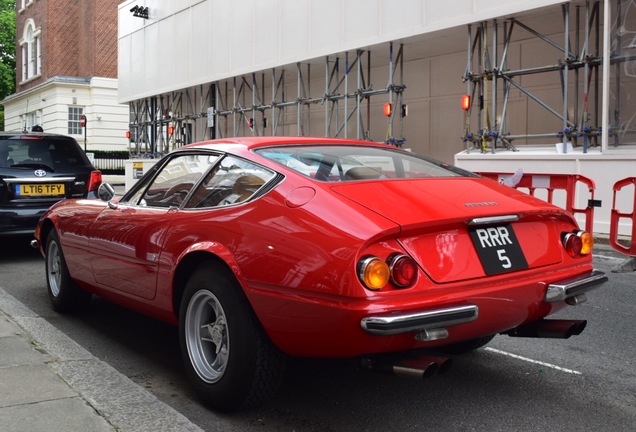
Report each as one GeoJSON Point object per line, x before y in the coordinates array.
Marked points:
{"type": "Point", "coordinates": [174, 181]}
{"type": "Point", "coordinates": [232, 181]}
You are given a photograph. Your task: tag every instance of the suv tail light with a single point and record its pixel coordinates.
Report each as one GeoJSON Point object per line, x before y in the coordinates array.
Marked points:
{"type": "Point", "coordinates": [94, 181]}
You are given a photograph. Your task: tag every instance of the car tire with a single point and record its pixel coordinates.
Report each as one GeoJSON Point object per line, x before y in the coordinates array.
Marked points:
{"type": "Point", "coordinates": [64, 294]}
{"type": "Point", "coordinates": [227, 355]}
{"type": "Point", "coordinates": [465, 346]}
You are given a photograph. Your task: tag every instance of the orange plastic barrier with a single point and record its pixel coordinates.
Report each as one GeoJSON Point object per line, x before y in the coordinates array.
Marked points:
{"type": "Point", "coordinates": [552, 182]}
{"type": "Point", "coordinates": [616, 216]}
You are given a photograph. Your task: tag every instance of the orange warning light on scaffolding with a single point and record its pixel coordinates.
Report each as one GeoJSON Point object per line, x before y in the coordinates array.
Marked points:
{"type": "Point", "coordinates": [170, 130]}
{"type": "Point", "coordinates": [466, 102]}
{"type": "Point", "coordinates": [388, 109]}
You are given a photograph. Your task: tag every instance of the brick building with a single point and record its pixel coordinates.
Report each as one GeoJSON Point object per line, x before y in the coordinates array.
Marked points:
{"type": "Point", "coordinates": [66, 60]}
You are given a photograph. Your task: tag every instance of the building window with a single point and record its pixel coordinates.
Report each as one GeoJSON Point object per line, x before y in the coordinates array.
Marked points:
{"type": "Point", "coordinates": [38, 49]}
{"type": "Point", "coordinates": [24, 63]}
{"type": "Point", "coordinates": [74, 127]}
{"type": "Point", "coordinates": [32, 120]}
{"type": "Point", "coordinates": [30, 53]}
{"type": "Point", "coordinates": [31, 50]}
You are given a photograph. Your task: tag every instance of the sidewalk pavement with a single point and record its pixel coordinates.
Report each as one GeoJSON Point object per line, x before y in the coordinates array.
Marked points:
{"type": "Point", "coordinates": [48, 382]}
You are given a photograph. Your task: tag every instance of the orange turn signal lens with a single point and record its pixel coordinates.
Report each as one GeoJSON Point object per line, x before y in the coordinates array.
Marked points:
{"type": "Point", "coordinates": [373, 273]}
{"type": "Point", "coordinates": [587, 242]}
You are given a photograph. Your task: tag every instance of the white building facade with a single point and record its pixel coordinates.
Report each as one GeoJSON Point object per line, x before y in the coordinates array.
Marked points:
{"type": "Point", "coordinates": [58, 104]}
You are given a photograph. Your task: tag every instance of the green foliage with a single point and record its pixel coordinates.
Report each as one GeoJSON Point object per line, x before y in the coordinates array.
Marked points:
{"type": "Point", "coordinates": [7, 52]}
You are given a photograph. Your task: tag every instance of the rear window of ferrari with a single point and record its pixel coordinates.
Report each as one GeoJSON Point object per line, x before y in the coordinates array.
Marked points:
{"type": "Point", "coordinates": [337, 163]}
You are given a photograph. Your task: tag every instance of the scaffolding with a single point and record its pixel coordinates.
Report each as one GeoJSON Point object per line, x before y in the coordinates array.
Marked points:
{"type": "Point", "coordinates": [487, 74]}
{"type": "Point", "coordinates": [161, 123]}
{"type": "Point", "coordinates": [622, 40]}
{"type": "Point", "coordinates": [245, 106]}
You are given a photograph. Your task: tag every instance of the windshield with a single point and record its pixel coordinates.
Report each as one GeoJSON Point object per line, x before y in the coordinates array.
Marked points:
{"type": "Point", "coordinates": [336, 163]}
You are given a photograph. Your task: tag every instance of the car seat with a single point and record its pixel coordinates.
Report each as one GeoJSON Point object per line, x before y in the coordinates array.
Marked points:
{"type": "Point", "coordinates": [5, 160]}
{"type": "Point", "coordinates": [39, 153]}
{"type": "Point", "coordinates": [363, 173]}
{"type": "Point", "coordinates": [244, 187]}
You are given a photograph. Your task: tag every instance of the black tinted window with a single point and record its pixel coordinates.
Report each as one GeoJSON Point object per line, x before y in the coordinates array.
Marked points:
{"type": "Point", "coordinates": [53, 152]}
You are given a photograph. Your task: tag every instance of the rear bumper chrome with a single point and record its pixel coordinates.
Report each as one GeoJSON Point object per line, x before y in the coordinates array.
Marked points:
{"type": "Point", "coordinates": [573, 287]}
{"type": "Point", "coordinates": [566, 290]}
{"type": "Point", "coordinates": [418, 321]}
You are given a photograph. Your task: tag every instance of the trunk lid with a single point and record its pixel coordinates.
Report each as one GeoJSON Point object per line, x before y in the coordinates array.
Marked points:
{"type": "Point", "coordinates": [435, 218]}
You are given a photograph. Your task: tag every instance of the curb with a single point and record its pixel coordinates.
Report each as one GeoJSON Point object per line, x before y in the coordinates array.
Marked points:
{"type": "Point", "coordinates": [125, 405]}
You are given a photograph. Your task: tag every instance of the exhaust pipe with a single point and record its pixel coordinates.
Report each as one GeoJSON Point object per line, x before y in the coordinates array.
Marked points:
{"type": "Point", "coordinates": [413, 367]}
{"type": "Point", "coordinates": [558, 329]}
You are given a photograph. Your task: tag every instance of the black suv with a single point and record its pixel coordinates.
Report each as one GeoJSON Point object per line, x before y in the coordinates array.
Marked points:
{"type": "Point", "coordinates": [36, 171]}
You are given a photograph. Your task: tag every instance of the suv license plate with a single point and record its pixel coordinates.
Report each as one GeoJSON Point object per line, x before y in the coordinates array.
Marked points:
{"type": "Point", "coordinates": [498, 249]}
{"type": "Point", "coordinates": [36, 190]}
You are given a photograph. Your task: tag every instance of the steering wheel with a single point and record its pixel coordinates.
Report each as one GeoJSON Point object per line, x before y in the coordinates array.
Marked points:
{"type": "Point", "coordinates": [176, 194]}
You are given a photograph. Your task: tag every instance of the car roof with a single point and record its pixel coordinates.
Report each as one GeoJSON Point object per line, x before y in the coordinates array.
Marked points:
{"type": "Point", "coordinates": [251, 143]}
{"type": "Point", "coordinates": [21, 134]}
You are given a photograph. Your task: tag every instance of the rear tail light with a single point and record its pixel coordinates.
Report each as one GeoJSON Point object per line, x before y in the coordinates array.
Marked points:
{"type": "Point", "coordinates": [578, 243]}
{"type": "Point", "coordinates": [403, 270]}
{"type": "Point", "coordinates": [399, 269]}
{"type": "Point", "coordinates": [94, 181]}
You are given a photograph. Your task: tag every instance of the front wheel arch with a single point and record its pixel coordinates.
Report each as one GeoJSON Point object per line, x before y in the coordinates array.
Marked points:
{"type": "Point", "coordinates": [184, 270]}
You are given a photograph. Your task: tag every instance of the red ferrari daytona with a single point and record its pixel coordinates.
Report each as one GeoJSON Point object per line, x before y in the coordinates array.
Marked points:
{"type": "Point", "coordinates": [262, 248]}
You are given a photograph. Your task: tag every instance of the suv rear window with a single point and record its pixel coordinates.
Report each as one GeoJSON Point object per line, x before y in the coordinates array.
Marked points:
{"type": "Point", "coordinates": [52, 152]}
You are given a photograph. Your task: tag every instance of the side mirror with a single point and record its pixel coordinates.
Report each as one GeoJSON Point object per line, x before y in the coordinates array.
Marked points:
{"type": "Point", "coordinates": [106, 192]}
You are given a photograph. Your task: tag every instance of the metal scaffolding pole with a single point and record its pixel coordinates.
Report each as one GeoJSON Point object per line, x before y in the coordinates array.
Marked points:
{"type": "Point", "coordinates": [491, 123]}
{"type": "Point", "coordinates": [331, 95]}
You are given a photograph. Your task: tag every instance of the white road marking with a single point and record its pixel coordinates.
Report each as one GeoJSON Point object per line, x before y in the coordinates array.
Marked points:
{"type": "Point", "coordinates": [518, 357]}
{"type": "Point", "coordinates": [607, 257]}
